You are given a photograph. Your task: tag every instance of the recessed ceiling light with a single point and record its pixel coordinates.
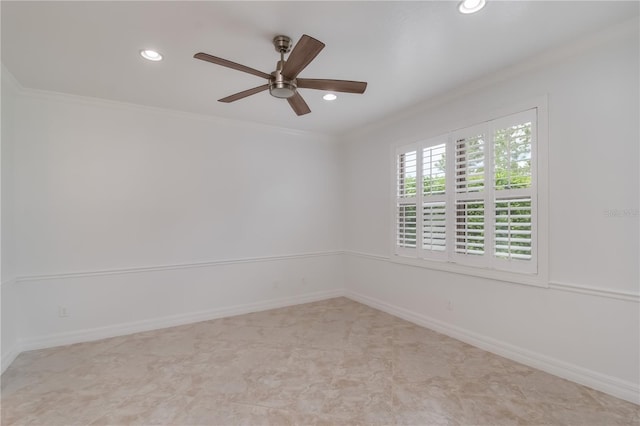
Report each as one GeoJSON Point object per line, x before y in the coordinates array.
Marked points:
{"type": "Point", "coordinates": [471, 6]}
{"type": "Point", "coordinates": [151, 55]}
{"type": "Point", "coordinates": [329, 97]}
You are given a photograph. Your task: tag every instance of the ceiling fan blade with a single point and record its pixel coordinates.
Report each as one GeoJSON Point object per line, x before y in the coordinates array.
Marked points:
{"type": "Point", "coordinates": [244, 94]}
{"type": "Point", "coordinates": [229, 64]}
{"type": "Point", "coordinates": [302, 54]}
{"type": "Point", "coordinates": [298, 104]}
{"type": "Point", "coordinates": [346, 86]}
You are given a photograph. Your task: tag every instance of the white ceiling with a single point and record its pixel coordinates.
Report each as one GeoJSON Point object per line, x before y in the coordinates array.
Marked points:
{"type": "Point", "coordinates": [406, 51]}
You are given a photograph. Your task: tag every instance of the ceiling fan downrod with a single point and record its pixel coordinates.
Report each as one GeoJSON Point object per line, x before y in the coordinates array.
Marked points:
{"type": "Point", "coordinates": [279, 85]}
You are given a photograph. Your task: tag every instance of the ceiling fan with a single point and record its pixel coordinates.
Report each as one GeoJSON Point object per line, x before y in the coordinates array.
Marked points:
{"type": "Point", "coordinates": [283, 82]}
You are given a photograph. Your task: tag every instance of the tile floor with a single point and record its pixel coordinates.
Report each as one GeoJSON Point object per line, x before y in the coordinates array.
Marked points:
{"type": "Point", "coordinates": [334, 362]}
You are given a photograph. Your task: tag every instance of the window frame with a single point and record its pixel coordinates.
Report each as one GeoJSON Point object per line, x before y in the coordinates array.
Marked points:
{"type": "Point", "coordinates": [493, 267]}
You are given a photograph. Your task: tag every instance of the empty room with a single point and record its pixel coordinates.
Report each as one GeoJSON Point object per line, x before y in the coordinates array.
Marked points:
{"type": "Point", "coordinates": [320, 213]}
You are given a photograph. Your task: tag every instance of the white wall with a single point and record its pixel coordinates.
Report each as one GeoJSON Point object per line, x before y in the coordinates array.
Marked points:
{"type": "Point", "coordinates": [9, 301]}
{"type": "Point", "coordinates": [586, 326]}
{"type": "Point", "coordinates": [104, 186]}
{"type": "Point", "coordinates": [134, 218]}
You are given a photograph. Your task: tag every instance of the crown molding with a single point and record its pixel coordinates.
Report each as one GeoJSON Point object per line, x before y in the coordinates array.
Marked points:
{"type": "Point", "coordinates": [9, 81]}
{"type": "Point", "coordinates": [54, 96]}
{"type": "Point", "coordinates": [626, 29]}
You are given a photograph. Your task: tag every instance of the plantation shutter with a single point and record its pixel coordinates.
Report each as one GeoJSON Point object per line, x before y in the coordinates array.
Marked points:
{"type": "Point", "coordinates": [406, 201]}
{"type": "Point", "coordinates": [513, 185]}
{"type": "Point", "coordinates": [469, 197]}
{"type": "Point", "coordinates": [513, 228]}
{"type": "Point", "coordinates": [434, 223]}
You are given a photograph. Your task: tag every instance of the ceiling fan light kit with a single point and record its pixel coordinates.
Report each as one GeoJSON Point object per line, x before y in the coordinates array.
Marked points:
{"type": "Point", "coordinates": [283, 82]}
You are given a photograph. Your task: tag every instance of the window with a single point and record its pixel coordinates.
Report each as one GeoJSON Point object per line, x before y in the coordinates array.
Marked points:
{"type": "Point", "coordinates": [469, 197]}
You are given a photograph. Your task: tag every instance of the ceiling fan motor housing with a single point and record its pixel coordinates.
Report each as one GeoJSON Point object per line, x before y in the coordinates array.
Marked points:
{"type": "Point", "coordinates": [280, 86]}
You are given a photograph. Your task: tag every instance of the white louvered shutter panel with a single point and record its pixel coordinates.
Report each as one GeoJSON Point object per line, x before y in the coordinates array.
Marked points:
{"type": "Point", "coordinates": [513, 228]}
{"type": "Point", "coordinates": [434, 223]}
{"type": "Point", "coordinates": [434, 226]}
{"type": "Point", "coordinates": [470, 163]}
{"type": "Point", "coordinates": [470, 227]}
{"type": "Point", "coordinates": [470, 204]}
{"type": "Point", "coordinates": [406, 201]}
{"type": "Point", "coordinates": [514, 184]}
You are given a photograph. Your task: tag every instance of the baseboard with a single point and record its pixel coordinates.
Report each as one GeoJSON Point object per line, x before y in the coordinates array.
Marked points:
{"type": "Point", "coordinates": [611, 385]}
{"type": "Point", "coordinates": [604, 383]}
{"type": "Point", "coordinates": [87, 335]}
{"type": "Point", "coordinates": [9, 356]}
